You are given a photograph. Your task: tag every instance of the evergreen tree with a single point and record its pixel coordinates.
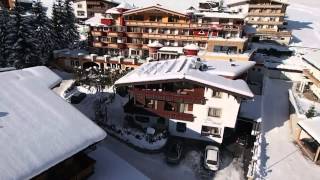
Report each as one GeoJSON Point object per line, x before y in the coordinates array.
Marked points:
{"type": "Point", "coordinates": [4, 34]}
{"type": "Point", "coordinates": [43, 31]}
{"type": "Point", "coordinates": [24, 46]}
{"type": "Point", "coordinates": [65, 29]}
{"type": "Point", "coordinates": [70, 27]}
{"type": "Point", "coordinates": [58, 28]}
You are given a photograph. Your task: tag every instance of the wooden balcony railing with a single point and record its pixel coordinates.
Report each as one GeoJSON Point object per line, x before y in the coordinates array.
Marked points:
{"type": "Point", "coordinates": [311, 77]}
{"type": "Point", "coordinates": [134, 34]}
{"type": "Point", "coordinates": [265, 22]}
{"type": "Point", "coordinates": [134, 45]}
{"type": "Point", "coordinates": [115, 34]}
{"type": "Point", "coordinates": [275, 33]}
{"type": "Point", "coordinates": [266, 14]}
{"type": "Point", "coordinates": [196, 97]}
{"type": "Point", "coordinates": [96, 33]}
{"type": "Point", "coordinates": [97, 44]}
{"type": "Point", "coordinates": [133, 109]}
{"type": "Point", "coordinates": [175, 37]}
{"type": "Point", "coordinates": [273, 6]}
{"type": "Point", "coordinates": [173, 25]}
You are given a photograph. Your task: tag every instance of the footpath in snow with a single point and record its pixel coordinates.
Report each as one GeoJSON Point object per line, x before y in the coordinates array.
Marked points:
{"type": "Point", "coordinates": [280, 158]}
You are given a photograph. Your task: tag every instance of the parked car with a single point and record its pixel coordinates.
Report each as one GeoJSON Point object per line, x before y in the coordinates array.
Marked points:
{"type": "Point", "coordinates": [77, 98]}
{"type": "Point", "coordinates": [211, 158]}
{"type": "Point", "coordinates": [174, 152]}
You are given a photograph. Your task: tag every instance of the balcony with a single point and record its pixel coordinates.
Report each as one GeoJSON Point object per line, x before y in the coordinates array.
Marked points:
{"type": "Point", "coordinates": [311, 77]}
{"type": "Point", "coordinates": [274, 33]}
{"type": "Point", "coordinates": [134, 34]}
{"type": "Point", "coordinates": [266, 14]}
{"type": "Point", "coordinates": [134, 45]}
{"type": "Point", "coordinates": [97, 44]}
{"type": "Point", "coordinates": [265, 22]}
{"type": "Point", "coordinates": [115, 34]}
{"type": "Point", "coordinates": [131, 108]}
{"type": "Point", "coordinates": [195, 97]}
{"type": "Point", "coordinates": [116, 45]}
{"type": "Point", "coordinates": [174, 37]}
{"type": "Point", "coordinates": [272, 6]}
{"type": "Point", "coordinates": [96, 33]}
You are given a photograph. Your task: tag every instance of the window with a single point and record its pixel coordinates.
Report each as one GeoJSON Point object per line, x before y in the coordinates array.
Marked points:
{"type": "Point", "coordinates": [216, 94]}
{"type": "Point", "coordinates": [80, 13]}
{"type": "Point", "coordinates": [181, 127]}
{"type": "Point", "coordinates": [79, 5]}
{"type": "Point", "coordinates": [173, 19]}
{"type": "Point", "coordinates": [213, 131]}
{"type": "Point", "coordinates": [214, 112]}
{"type": "Point", "coordinates": [142, 119]}
{"type": "Point", "coordinates": [77, 63]}
{"type": "Point", "coordinates": [155, 18]}
{"type": "Point", "coordinates": [72, 63]}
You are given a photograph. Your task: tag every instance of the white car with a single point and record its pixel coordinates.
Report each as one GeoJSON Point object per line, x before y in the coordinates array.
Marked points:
{"type": "Point", "coordinates": [211, 158]}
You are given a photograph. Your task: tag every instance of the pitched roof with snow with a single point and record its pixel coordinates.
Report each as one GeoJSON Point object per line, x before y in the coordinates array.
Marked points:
{"type": "Point", "coordinates": [312, 127]}
{"type": "Point", "coordinates": [155, 8]}
{"type": "Point", "coordinates": [182, 69]}
{"type": "Point", "coordinates": [38, 128]}
{"type": "Point", "coordinates": [95, 20]}
{"type": "Point", "coordinates": [192, 47]}
{"type": "Point", "coordinates": [113, 11]}
{"type": "Point", "coordinates": [313, 58]}
{"type": "Point", "coordinates": [124, 5]}
{"type": "Point", "coordinates": [155, 44]}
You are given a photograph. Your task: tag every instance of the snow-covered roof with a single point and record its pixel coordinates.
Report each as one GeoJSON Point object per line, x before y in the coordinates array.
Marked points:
{"type": "Point", "coordinates": [155, 44]}
{"type": "Point", "coordinates": [313, 58]}
{"type": "Point", "coordinates": [155, 7]}
{"type": "Point", "coordinates": [124, 5]}
{"type": "Point", "coordinates": [233, 2]}
{"type": "Point", "coordinates": [216, 14]}
{"type": "Point", "coordinates": [228, 69]}
{"type": "Point", "coordinates": [38, 128]}
{"type": "Point", "coordinates": [192, 47]}
{"type": "Point", "coordinates": [312, 127]}
{"type": "Point", "coordinates": [178, 50]}
{"type": "Point", "coordinates": [113, 11]}
{"type": "Point", "coordinates": [281, 1]}
{"type": "Point", "coordinates": [69, 53]}
{"type": "Point", "coordinates": [95, 20]}
{"type": "Point", "coordinates": [181, 69]}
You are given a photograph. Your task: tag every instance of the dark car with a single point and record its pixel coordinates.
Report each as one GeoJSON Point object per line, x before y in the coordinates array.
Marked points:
{"type": "Point", "coordinates": [76, 99]}
{"type": "Point", "coordinates": [174, 152]}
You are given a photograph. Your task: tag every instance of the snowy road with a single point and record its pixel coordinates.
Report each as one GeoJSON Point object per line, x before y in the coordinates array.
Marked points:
{"type": "Point", "coordinates": [279, 156]}
{"type": "Point", "coordinates": [152, 165]}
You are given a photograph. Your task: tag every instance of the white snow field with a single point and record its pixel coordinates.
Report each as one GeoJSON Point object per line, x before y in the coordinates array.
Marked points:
{"type": "Point", "coordinates": [280, 158]}
{"type": "Point", "coordinates": [304, 20]}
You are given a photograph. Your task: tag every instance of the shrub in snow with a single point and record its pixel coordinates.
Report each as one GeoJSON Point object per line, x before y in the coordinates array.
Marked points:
{"type": "Point", "coordinates": [311, 112]}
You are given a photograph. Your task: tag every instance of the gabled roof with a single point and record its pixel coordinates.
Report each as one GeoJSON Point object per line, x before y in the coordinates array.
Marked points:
{"type": "Point", "coordinates": [38, 129]}
{"type": "Point", "coordinates": [181, 70]}
{"type": "Point", "coordinates": [154, 8]}
{"type": "Point", "coordinates": [235, 2]}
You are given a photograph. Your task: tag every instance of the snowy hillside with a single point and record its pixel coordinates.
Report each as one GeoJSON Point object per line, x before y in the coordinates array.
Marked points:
{"type": "Point", "coordinates": [304, 20]}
